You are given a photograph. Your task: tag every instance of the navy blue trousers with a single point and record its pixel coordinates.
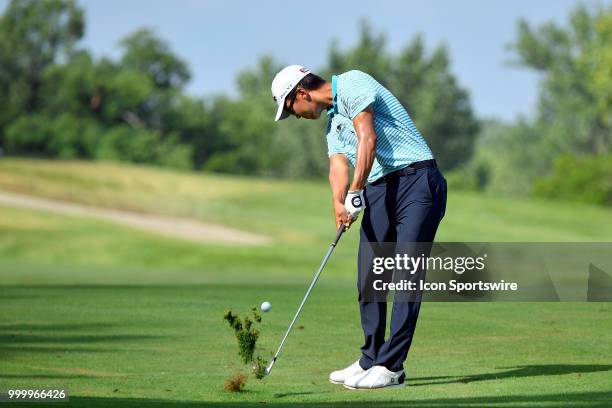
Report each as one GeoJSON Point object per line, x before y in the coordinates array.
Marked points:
{"type": "Point", "coordinates": [407, 208]}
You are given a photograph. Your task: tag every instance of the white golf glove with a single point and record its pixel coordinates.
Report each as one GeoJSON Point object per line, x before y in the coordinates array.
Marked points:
{"type": "Point", "coordinates": [354, 203]}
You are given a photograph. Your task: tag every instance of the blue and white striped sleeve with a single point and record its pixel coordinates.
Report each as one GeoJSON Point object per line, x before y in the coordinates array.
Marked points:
{"type": "Point", "coordinates": [333, 145]}
{"type": "Point", "coordinates": [357, 93]}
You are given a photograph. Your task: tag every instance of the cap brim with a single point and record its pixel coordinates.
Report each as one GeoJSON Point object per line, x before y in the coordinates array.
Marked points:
{"type": "Point", "coordinates": [281, 113]}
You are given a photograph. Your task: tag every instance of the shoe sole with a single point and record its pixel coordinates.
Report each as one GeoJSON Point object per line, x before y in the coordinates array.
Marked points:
{"type": "Point", "coordinates": [402, 385]}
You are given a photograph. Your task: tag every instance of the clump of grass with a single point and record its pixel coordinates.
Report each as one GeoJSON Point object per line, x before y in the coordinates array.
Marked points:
{"type": "Point", "coordinates": [236, 382]}
{"type": "Point", "coordinates": [247, 336]}
{"type": "Point", "coordinates": [259, 367]}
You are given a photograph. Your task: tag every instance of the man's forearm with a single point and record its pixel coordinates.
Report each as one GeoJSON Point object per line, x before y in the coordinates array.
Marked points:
{"type": "Point", "coordinates": [366, 148]}
{"type": "Point", "coordinates": [363, 165]}
{"type": "Point", "coordinates": [339, 178]}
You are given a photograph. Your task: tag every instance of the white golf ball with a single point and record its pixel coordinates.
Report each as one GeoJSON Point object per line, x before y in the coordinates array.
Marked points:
{"type": "Point", "coordinates": [266, 306]}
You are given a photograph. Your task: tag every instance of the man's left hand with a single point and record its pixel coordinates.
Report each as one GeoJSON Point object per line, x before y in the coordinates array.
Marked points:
{"type": "Point", "coordinates": [354, 203]}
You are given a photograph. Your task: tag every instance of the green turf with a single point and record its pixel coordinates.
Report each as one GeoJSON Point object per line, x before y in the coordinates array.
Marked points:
{"type": "Point", "coordinates": [121, 317]}
{"type": "Point", "coordinates": [124, 345]}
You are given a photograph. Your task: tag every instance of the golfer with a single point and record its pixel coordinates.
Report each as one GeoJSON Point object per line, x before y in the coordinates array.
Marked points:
{"type": "Point", "coordinates": [396, 183]}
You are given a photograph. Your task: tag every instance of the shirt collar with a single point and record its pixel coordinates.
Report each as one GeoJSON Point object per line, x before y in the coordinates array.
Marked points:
{"type": "Point", "coordinates": [334, 108]}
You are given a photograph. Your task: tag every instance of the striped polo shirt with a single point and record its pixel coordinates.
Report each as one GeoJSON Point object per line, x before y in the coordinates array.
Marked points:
{"type": "Point", "coordinates": [398, 142]}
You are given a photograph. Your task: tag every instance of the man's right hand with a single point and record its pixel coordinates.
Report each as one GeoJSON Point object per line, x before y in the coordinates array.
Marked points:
{"type": "Point", "coordinates": [341, 215]}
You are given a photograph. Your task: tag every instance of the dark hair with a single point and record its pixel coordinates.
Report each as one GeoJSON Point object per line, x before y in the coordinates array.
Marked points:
{"type": "Point", "coordinates": [309, 82]}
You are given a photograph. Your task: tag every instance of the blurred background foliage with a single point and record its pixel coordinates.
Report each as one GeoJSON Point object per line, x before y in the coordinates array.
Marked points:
{"type": "Point", "coordinates": [58, 101]}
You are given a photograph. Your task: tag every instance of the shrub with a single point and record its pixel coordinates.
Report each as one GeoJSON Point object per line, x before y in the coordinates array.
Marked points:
{"type": "Point", "coordinates": [28, 134]}
{"type": "Point", "coordinates": [579, 178]}
{"type": "Point", "coordinates": [127, 144]}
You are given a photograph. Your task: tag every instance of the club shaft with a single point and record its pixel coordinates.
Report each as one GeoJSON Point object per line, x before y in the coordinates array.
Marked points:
{"type": "Point", "coordinates": [314, 281]}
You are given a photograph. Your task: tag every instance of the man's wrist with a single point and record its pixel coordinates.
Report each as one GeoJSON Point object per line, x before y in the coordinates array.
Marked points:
{"type": "Point", "coordinates": [339, 199]}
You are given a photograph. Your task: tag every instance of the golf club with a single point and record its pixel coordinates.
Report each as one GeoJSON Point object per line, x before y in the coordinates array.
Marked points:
{"type": "Point", "coordinates": [314, 280]}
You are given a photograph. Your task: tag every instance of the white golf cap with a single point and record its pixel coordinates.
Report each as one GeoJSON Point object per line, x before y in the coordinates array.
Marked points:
{"type": "Point", "coordinates": [283, 83]}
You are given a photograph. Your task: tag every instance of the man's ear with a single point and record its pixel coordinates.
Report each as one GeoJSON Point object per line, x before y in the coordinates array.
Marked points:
{"type": "Point", "coordinates": [305, 94]}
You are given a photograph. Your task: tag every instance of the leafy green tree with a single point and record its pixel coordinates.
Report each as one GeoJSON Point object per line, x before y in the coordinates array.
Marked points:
{"type": "Point", "coordinates": [369, 55]}
{"type": "Point", "coordinates": [248, 140]}
{"type": "Point", "coordinates": [599, 59]}
{"type": "Point", "coordinates": [150, 57]}
{"type": "Point", "coordinates": [147, 53]}
{"type": "Point", "coordinates": [572, 125]}
{"type": "Point", "coordinates": [33, 35]}
{"type": "Point", "coordinates": [101, 89]}
{"type": "Point", "coordinates": [28, 134]}
{"type": "Point", "coordinates": [192, 121]}
{"type": "Point", "coordinates": [247, 127]}
{"type": "Point", "coordinates": [574, 112]}
{"type": "Point", "coordinates": [135, 108]}
{"type": "Point", "coordinates": [440, 107]}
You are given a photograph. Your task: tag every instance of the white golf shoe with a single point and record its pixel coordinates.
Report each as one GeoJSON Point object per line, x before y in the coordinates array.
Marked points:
{"type": "Point", "coordinates": [338, 377]}
{"type": "Point", "coordinates": [376, 377]}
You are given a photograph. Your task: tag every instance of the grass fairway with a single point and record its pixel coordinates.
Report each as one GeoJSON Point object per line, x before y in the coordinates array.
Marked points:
{"type": "Point", "coordinates": [119, 346]}
{"type": "Point", "coordinates": [123, 318]}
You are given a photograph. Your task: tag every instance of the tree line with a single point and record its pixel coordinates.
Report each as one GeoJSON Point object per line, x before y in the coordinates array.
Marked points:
{"type": "Point", "coordinates": [57, 100]}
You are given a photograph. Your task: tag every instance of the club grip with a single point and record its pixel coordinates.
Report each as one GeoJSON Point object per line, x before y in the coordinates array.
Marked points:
{"type": "Point", "coordinates": [339, 234]}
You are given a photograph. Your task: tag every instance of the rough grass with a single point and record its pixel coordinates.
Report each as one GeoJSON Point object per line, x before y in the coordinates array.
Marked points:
{"type": "Point", "coordinates": [291, 211]}
{"type": "Point", "coordinates": [236, 382]}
